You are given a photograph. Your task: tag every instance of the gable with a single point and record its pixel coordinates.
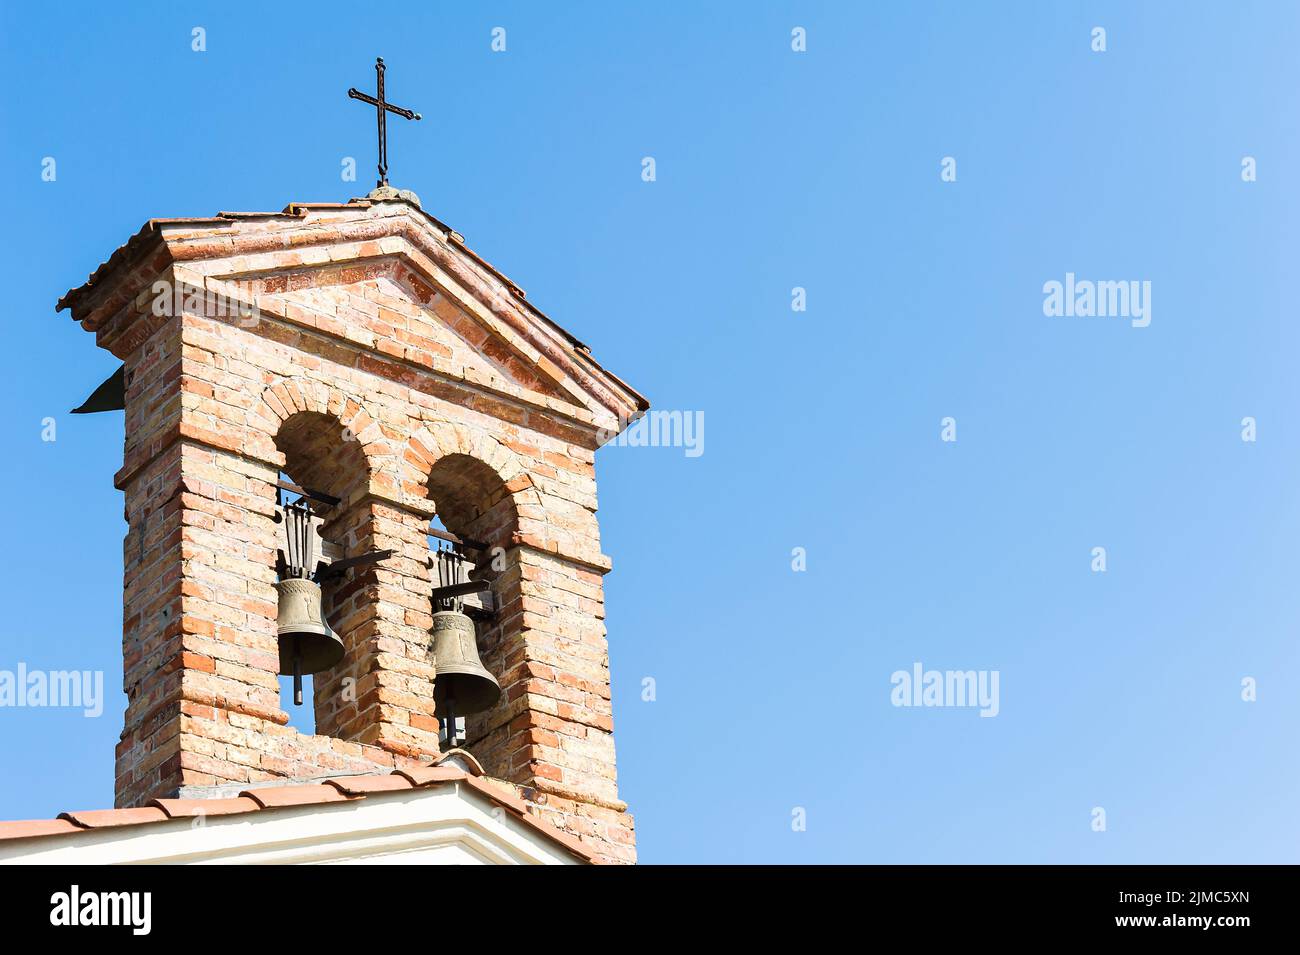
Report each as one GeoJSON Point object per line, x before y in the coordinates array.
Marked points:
{"type": "Point", "coordinates": [411, 319]}
{"type": "Point", "coordinates": [365, 255]}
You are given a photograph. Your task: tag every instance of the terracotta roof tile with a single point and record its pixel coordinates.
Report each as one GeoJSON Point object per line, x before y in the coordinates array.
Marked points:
{"type": "Point", "coordinates": [291, 208]}
{"type": "Point", "coordinates": [429, 775]}
{"type": "Point", "coordinates": [106, 818]}
{"type": "Point", "coordinates": [182, 220]}
{"type": "Point", "coordinates": [463, 756]}
{"type": "Point", "coordinates": [275, 797]}
{"type": "Point", "coordinates": [27, 828]}
{"type": "Point", "coordinates": [500, 795]}
{"type": "Point", "coordinates": [255, 215]}
{"type": "Point", "coordinates": [342, 789]}
{"type": "Point", "coordinates": [364, 785]}
{"type": "Point", "coordinates": [189, 808]}
{"type": "Point", "coordinates": [572, 843]}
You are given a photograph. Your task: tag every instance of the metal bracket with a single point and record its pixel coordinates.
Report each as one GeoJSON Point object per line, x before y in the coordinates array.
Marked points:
{"type": "Point", "coordinates": [320, 497]}
{"type": "Point", "coordinates": [459, 590]}
{"type": "Point", "coordinates": [326, 571]}
{"type": "Point", "coordinates": [454, 539]}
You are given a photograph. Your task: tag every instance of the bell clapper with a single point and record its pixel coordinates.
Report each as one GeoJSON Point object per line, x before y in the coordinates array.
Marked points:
{"type": "Point", "coordinates": [297, 672]}
{"type": "Point", "coordinates": [449, 722]}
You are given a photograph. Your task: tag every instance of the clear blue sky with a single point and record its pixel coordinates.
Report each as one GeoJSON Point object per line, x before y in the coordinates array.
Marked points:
{"type": "Point", "coordinates": [777, 169]}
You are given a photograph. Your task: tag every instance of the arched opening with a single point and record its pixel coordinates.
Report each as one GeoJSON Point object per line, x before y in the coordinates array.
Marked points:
{"type": "Point", "coordinates": [325, 460]}
{"type": "Point", "coordinates": [473, 505]}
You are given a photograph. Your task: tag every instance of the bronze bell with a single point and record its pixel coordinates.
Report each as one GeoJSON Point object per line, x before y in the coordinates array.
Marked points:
{"type": "Point", "coordinates": [461, 685]}
{"type": "Point", "coordinates": [307, 644]}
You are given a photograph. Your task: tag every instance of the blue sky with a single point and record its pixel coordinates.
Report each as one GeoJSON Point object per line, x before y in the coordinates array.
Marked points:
{"type": "Point", "coordinates": [777, 169]}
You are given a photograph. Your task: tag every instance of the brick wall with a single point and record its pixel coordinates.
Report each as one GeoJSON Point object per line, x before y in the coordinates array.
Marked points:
{"type": "Point", "coordinates": [392, 368]}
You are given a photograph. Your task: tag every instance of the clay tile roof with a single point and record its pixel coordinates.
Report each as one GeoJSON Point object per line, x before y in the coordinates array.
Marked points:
{"type": "Point", "coordinates": [270, 798]}
{"type": "Point", "coordinates": [189, 808]}
{"type": "Point", "coordinates": [427, 776]}
{"type": "Point", "coordinates": [27, 828]}
{"type": "Point", "coordinates": [364, 785]}
{"type": "Point", "coordinates": [461, 758]}
{"type": "Point", "coordinates": [250, 215]}
{"type": "Point", "coordinates": [291, 208]}
{"type": "Point", "coordinates": [520, 810]}
{"type": "Point", "coordinates": [274, 797]}
{"type": "Point", "coordinates": [105, 818]}
{"type": "Point", "coordinates": [510, 801]}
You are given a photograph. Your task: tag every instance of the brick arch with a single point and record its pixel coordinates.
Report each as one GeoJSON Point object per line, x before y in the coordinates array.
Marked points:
{"type": "Point", "coordinates": [479, 487]}
{"type": "Point", "coordinates": [291, 396]}
{"type": "Point", "coordinates": [436, 441]}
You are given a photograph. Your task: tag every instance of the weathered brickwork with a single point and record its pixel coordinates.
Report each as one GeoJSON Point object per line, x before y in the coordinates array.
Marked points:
{"type": "Point", "coordinates": [389, 366]}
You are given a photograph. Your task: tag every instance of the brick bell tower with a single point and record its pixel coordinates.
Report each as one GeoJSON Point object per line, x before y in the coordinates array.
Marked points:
{"type": "Point", "coordinates": [363, 350]}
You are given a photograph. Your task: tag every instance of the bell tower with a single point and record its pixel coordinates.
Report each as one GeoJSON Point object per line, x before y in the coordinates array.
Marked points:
{"type": "Point", "coordinates": [359, 354]}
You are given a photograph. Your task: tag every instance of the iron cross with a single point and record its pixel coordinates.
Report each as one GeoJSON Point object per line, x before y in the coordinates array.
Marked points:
{"type": "Point", "coordinates": [381, 108]}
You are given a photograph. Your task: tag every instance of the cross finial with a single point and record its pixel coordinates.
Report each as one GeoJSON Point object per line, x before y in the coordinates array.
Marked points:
{"type": "Point", "coordinates": [381, 109]}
